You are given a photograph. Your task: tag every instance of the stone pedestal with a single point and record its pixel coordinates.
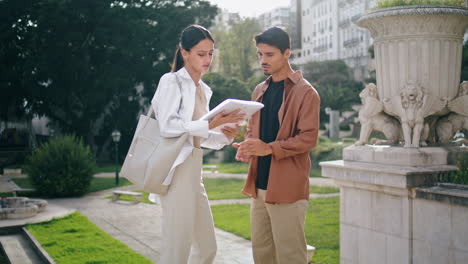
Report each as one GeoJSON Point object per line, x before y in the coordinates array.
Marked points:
{"type": "Point", "coordinates": [378, 188]}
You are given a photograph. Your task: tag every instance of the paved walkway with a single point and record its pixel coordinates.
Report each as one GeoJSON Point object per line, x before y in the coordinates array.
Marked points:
{"type": "Point", "coordinates": [5, 184]}
{"type": "Point", "coordinates": [138, 224]}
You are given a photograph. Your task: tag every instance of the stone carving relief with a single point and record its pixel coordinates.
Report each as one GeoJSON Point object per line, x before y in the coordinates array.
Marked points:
{"type": "Point", "coordinates": [372, 117]}
{"type": "Point", "coordinates": [402, 23]}
{"type": "Point", "coordinates": [447, 126]}
{"type": "Point", "coordinates": [411, 107]}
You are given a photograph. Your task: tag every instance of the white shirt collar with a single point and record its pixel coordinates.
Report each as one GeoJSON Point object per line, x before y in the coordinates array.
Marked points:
{"type": "Point", "coordinates": [184, 74]}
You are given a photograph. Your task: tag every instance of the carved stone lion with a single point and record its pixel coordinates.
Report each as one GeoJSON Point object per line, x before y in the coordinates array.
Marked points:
{"type": "Point", "coordinates": [463, 89]}
{"type": "Point", "coordinates": [412, 106]}
{"type": "Point", "coordinates": [372, 117]}
{"type": "Point", "coordinates": [447, 126]}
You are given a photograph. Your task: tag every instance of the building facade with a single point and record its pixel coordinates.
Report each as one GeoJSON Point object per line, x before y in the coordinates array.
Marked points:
{"type": "Point", "coordinates": [278, 17]}
{"type": "Point", "coordinates": [295, 24]}
{"type": "Point", "coordinates": [354, 42]}
{"type": "Point", "coordinates": [225, 19]}
{"type": "Point", "coordinates": [319, 30]}
{"type": "Point", "coordinates": [328, 32]}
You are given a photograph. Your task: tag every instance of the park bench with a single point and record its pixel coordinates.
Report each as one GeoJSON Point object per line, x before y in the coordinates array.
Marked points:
{"type": "Point", "coordinates": [136, 195]}
{"type": "Point", "coordinates": [210, 167]}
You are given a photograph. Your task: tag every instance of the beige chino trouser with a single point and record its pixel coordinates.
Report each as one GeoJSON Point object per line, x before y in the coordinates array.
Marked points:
{"type": "Point", "coordinates": [278, 231]}
{"type": "Point", "coordinates": [187, 223]}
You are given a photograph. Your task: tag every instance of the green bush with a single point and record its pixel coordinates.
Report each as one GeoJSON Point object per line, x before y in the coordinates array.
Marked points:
{"type": "Point", "coordinates": [391, 3]}
{"type": "Point", "coordinates": [328, 149]}
{"type": "Point", "coordinates": [63, 167]}
{"type": "Point", "coordinates": [460, 176]}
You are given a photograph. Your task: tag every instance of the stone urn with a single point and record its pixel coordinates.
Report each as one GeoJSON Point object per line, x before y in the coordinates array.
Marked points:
{"type": "Point", "coordinates": [418, 95]}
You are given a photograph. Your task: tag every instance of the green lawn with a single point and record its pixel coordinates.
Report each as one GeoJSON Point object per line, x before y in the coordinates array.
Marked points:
{"type": "Point", "coordinates": [222, 188]}
{"type": "Point", "coordinates": [75, 240]}
{"type": "Point", "coordinates": [97, 184]}
{"type": "Point", "coordinates": [220, 167]}
{"type": "Point", "coordinates": [240, 167]}
{"type": "Point", "coordinates": [106, 168]}
{"type": "Point", "coordinates": [315, 173]}
{"type": "Point", "coordinates": [218, 189]}
{"type": "Point", "coordinates": [322, 225]}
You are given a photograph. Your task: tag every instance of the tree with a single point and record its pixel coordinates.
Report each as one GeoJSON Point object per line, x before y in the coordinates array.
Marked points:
{"type": "Point", "coordinates": [226, 87]}
{"type": "Point", "coordinates": [80, 60]}
{"type": "Point", "coordinates": [333, 81]}
{"type": "Point", "coordinates": [15, 64]}
{"type": "Point", "coordinates": [237, 53]}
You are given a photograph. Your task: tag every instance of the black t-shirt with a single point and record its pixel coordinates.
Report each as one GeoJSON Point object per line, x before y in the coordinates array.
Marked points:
{"type": "Point", "coordinates": [269, 126]}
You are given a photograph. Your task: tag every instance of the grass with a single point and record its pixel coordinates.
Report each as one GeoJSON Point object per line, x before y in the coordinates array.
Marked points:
{"type": "Point", "coordinates": [244, 167]}
{"type": "Point", "coordinates": [219, 189]}
{"type": "Point", "coordinates": [326, 150]}
{"type": "Point", "coordinates": [323, 189]}
{"type": "Point", "coordinates": [75, 240]}
{"type": "Point", "coordinates": [321, 228]}
{"type": "Point", "coordinates": [392, 3]}
{"type": "Point", "coordinates": [235, 167]}
{"type": "Point", "coordinates": [106, 168]}
{"type": "Point", "coordinates": [315, 173]}
{"type": "Point", "coordinates": [97, 184]}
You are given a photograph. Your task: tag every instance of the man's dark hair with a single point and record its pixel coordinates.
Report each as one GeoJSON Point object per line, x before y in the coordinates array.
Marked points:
{"type": "Point", "coordinates": [274, 36]}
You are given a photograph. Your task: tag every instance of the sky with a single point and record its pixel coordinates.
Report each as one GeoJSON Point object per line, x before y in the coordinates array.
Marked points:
{"type": "Point", "coordinates": [250, 8]}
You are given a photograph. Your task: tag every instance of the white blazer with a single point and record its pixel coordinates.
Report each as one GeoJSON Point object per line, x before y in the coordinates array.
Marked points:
{"type": "Point", "coordinates": [173, 108]}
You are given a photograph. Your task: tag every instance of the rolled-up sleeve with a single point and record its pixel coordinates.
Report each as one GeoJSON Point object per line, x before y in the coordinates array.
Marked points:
{"type": "Point", "coordinates": [215, 140]}
{"type": "Point", "coordinates": [166, 104]}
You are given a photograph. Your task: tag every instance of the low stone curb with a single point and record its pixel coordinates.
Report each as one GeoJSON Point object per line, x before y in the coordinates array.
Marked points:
{"type": "Point", "coordinates": [37, 247]}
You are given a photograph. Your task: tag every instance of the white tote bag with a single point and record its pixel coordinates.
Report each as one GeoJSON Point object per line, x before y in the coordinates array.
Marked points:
{"type": "Point", "coordinates": [150, 156]}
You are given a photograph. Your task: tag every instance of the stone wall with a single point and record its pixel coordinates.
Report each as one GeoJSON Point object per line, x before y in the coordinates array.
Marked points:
{"type": "Point", "coordinates": [440, 225]}
{"type": "Point", "coordinates": [388, 216]}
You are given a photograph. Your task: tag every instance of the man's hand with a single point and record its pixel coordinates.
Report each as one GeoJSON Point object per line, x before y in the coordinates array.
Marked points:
{"type": "Point", "coordinates": [239, 155]}
{"type": "Point", "coordinates": [255, 147]}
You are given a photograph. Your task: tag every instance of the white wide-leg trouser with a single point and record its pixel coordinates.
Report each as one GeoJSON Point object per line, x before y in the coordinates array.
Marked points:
{"type": "Point", "coordinates": [187, 223]}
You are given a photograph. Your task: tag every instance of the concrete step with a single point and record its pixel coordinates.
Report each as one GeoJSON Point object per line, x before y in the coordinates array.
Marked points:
{"type": "Point", "coordinates": [19, 250]}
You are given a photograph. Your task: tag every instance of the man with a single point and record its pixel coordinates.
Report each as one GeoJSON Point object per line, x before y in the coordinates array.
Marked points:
{"type": "Point", "coordinates": [277, 145]}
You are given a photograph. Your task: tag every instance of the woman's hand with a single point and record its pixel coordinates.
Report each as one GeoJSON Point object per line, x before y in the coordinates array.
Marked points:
{"type": "Point", "coordinates": [230, 132]}
{"type": "Point", "coordinates": [232, 118]}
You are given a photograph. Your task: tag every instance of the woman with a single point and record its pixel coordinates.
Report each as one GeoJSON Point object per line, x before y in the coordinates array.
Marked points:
{"type": "Point", "coordinates": [180, 100]}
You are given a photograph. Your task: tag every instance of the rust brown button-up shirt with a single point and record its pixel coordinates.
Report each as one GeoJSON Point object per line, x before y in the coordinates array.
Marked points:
{"type": "Point", "coordinates": [299, 124]}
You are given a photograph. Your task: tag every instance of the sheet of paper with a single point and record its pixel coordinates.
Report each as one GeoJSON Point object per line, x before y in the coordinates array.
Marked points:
{"type": "Point", "coordinates": [247, 107]}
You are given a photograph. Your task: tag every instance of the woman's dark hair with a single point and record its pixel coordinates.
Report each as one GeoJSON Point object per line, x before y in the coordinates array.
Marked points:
{"type": "Point", "coordinates": [275, 37]}
{"type": "Point", "coordinates": [190, 37]}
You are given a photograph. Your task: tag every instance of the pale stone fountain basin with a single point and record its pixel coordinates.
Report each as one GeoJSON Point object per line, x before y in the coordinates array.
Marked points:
{"type": "Point", "coordinates": [22, 207]}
